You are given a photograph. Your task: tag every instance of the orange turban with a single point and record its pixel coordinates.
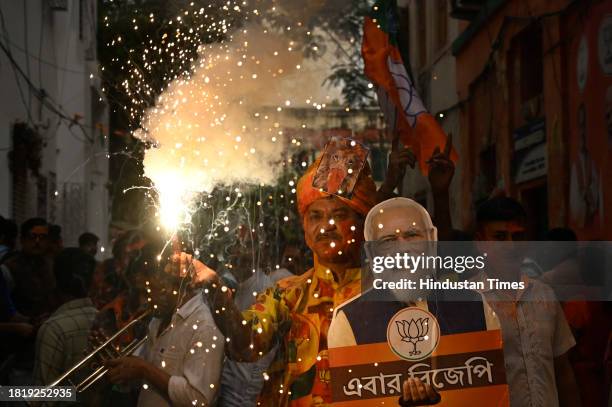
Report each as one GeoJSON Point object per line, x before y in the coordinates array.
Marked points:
{"type": "Point", "coordinates": [362, 199]}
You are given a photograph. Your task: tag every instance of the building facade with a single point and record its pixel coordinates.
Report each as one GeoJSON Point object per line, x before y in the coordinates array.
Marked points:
{"type": "Point", "coordinates": [53, 117]}
{"type": "Point", "coordinates": [535, 79]}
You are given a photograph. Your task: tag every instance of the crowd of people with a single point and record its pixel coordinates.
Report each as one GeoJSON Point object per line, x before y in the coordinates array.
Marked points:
{"type": "Point", "coordinates": [242, 337]}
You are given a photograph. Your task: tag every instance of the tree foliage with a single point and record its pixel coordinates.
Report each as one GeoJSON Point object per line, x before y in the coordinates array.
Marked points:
{"type": "Point", "coordinates": [330, 30]}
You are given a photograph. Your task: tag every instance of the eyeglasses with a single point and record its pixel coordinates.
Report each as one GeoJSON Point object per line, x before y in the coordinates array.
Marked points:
{"type": "Point", "coordinates": [37, 236]}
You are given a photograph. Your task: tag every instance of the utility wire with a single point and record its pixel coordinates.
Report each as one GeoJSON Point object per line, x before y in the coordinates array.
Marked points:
{"type": "Point", "coordinates": [17, 81]}
{"type": "Point", "coordinates": [44, 98]}
{"type": "Point", "coordinates": [41, 95]}
{"type": "Point", "coordinates": [26, 41]}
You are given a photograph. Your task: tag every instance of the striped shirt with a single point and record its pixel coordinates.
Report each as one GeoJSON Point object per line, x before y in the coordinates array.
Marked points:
{"type": "Point", "coordinates": [62, 339]}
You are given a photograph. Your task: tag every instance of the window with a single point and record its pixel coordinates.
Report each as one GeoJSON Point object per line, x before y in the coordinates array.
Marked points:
{"type": "Point", "coordinates": [525, 76]}
{"type": "Point", "coordinates": [41, 196]}
{"type": "Point", "coordinates": [441, 23]}
{"type": "Point", "coordinates": [421, 24]}
{"type": "Point", "coordinates": [531, 63]}
{"type": "Point", "coordinates": [81, 17]}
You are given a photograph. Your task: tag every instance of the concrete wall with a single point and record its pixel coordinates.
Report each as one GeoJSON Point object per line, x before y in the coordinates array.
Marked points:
{"type": "Point", "coordinates": [56, 49]}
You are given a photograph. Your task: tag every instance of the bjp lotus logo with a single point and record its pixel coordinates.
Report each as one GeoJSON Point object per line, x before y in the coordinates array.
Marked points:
{"type": "Point", "coordinates": [413, 333]}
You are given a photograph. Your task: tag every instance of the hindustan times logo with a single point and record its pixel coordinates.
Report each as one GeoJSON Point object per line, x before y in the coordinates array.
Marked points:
{"type": "Point", "coordinates": [412, 263]}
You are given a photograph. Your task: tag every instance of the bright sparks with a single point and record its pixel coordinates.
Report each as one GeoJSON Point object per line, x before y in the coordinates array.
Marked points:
{"type": "Point", "coordinates": [174, 202]}
{"type": "Point", "coordinates": [221, 111]}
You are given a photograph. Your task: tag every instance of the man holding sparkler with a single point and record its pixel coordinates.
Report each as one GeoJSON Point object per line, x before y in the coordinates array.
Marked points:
{"type": "Point", "coordinates": [295, 314]}
{"type": "Point", "coordinates": [180, 362]}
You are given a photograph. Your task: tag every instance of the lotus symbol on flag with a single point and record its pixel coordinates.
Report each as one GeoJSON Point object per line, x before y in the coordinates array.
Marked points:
{"type": "Point", "coordinates": [413, 331]}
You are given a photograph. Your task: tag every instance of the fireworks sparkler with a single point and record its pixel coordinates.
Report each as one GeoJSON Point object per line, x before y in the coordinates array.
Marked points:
{"type": "Point", "coordinates": [208, 93]}
{"type": "Point", "coordinates": [214, 121]}
{"type": "Point", "coordinates": [208, 126]}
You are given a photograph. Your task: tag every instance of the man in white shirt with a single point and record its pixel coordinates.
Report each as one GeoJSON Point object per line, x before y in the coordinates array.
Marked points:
{"type": "Point", "coordinates": [180, 363]}
{"type": "Point", "coordinates": [535, 333]}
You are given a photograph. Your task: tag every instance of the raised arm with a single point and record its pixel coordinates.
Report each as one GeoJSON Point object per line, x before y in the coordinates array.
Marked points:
{"type": "Point", "coordinates": [251, 333]}
{"type": "Point", "coordinates": [396, 169]}
{"type": "Point", "coordinates": [441, 172]}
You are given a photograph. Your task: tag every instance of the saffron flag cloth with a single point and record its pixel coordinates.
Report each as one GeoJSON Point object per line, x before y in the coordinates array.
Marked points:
{"type": "Point", "coordinates": [397, 96]}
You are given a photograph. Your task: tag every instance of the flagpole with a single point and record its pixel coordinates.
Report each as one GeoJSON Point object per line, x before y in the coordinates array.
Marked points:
{"type": "Point", "coordinates": [395, 143]}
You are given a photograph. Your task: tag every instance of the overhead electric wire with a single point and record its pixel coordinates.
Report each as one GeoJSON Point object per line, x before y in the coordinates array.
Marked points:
{"type": "Point", "coordinates": [17, 82]}
{"type": "Point", "coordinates": [44, 98]}
{"type": "Point", "coordinates": [26, 41]}
{"type": "Point", "coordinates": [40, 94]}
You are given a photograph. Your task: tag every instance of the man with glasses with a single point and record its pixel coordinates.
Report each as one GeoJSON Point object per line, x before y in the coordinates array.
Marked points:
{"type": "Point", "coordinates": [32, 280]}
{"type": "Point", "coordinates": [31, 284]}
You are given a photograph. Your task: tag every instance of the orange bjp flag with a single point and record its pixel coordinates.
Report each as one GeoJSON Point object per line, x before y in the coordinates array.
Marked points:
{"type": "Point", "coordinates": [397, 96]}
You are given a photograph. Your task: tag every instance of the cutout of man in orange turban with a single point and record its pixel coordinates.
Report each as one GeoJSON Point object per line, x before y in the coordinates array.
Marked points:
{"type": "Point", "coordinates": [363, 196]}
